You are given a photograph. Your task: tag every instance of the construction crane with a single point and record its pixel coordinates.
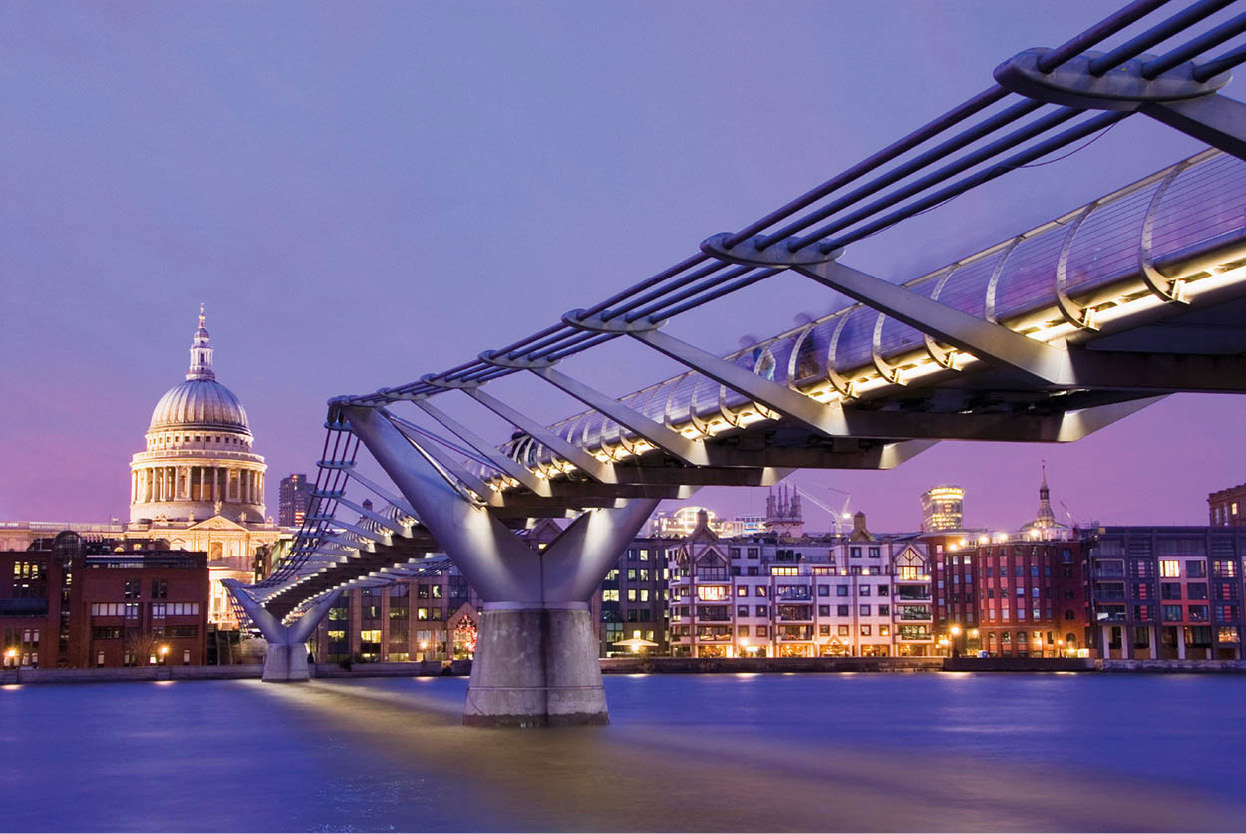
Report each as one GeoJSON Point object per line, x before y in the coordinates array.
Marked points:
{"type": "Point", "coordinates": [837, 518]}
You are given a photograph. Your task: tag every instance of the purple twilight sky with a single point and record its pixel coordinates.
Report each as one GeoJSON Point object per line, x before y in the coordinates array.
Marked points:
{"type": "Point", "coordinates": [364, 193]}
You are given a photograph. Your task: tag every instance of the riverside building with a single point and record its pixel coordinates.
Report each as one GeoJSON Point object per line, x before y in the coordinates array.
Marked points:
{"type": "Point", "coordinates": [66, 602]}
{"type": "Point", "coordinates": [1172, 593]}
{"type": "Point", "coordinates": [776, 596]}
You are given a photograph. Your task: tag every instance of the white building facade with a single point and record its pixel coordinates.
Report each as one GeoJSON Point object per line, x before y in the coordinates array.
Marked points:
{"type": "Point", "coordinates": [807, 597]}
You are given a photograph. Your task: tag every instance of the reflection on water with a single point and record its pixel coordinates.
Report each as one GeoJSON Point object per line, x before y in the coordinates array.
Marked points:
{"type": "Point", "coordinates": [684, 752]}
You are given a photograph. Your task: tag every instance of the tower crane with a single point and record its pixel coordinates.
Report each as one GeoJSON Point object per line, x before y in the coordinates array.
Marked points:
{"type": "Point", "coordinates": [837, 518]}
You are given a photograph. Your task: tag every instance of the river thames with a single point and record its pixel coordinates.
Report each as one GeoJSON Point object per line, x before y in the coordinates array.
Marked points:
{"type": "Point", "coordinates": [859, 752]}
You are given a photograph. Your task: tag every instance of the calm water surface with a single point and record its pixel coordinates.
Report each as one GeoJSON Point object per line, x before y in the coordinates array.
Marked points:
{"type": "Point", "coordinates": [683, 752]}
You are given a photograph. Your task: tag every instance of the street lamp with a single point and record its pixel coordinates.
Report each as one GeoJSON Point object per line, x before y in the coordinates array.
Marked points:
{"type": "Point", "coordinates": [10, 658]}
{"type": "Point", "coordinates": [164, 651]}
{"type": "Point", "coordinates": [955, 640]}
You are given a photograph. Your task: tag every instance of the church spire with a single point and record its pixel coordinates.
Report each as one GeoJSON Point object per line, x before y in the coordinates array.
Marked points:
{"type": "Point", "coordinates": [201, 353]}
{"type": "Point", "coordinates": [1046, 516]}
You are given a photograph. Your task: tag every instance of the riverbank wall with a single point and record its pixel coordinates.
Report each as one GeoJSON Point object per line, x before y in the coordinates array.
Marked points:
{"type": "Point", "coordinates": [646, 665]}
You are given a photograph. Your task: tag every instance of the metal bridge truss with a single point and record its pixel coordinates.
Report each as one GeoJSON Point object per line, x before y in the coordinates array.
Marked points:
{"type": "Point", "coordinates": [1044, 337]}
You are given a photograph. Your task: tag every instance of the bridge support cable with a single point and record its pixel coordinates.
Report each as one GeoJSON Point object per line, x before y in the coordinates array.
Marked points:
{"type": "Point", "coordinates": [536, 660]}
{"type": "Point", "coordinates": [286, 659]}
{"type": "Point", "coordinates": [1169, 88]}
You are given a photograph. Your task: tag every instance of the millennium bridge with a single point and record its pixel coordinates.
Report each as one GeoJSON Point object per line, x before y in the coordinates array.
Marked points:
{"type": "Point", "coordinates": [1045, 337]}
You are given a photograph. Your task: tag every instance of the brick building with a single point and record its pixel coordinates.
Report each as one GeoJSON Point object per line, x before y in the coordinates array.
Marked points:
{"type": "Point", "coordinates": [1227, 508]}
{"type": "Point", "coordinates": [67, 602]}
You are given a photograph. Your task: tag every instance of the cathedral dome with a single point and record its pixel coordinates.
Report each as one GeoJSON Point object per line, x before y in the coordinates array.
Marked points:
{"type": "Point", "coordinates": [200, 404]}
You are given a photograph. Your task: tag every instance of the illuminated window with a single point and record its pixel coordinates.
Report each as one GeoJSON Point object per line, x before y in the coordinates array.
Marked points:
{"type": "Point", "coordinates": [610, 595]}
{"type": "Point", "coordinates": [706, 592]}
{"type": "Point", "coordinates": [1170, 567]}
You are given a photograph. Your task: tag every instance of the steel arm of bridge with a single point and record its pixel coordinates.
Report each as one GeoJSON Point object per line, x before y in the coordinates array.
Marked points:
{"type": "Point", "coordinates": [500, 566]}
{"type": "Point", "coordinates": [591, 466]}
{"type": "Point", "coordinates": [351, 544]}
{"type": "Point", "coordinates": [393, 526]}
{"type": "Point", "coordinates": [977, 336]}
{"type": "Point", "coordinates": [453, 472]}
{"type": "Point", "coordinates": [380, 537]}
{"type": "Point", "coordinates": [687, 450]}
{"type": "Point", "coordinates": [274, 631]}
{"type": "Point", "coordinates": [500, 461]}
{"type": "Point", "coordinates": [382, 492]}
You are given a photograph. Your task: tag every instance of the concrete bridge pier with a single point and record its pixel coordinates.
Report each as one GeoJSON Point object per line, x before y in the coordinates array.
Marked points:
{"type": "Point", "coordinates": [536, 653]}
{"type": "Point", "coordinates": [286, 659]}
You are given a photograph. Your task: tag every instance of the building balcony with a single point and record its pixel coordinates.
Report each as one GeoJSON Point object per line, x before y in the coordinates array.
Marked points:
{"type": "Point", "coordinates": [913, 596]}
{"type": "Point", "coordinates": [711, 637]}
{"type": "Point", "coordinates": [915, 638]}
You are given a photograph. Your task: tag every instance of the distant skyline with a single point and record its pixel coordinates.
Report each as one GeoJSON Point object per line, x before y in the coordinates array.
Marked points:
{"type": "Point", "coordinates": [364, 195]}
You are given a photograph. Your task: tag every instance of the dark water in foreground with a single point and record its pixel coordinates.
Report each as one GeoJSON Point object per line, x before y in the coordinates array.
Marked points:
{"type": "Point", "coordinates": [712, 752]}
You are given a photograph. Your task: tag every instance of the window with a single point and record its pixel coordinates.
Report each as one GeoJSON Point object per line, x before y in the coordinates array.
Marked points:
{"type": "Point", "coordinates": [843, 631]}
{"type": "Point", "coordinates": [824, 590]}
{"type": "Point", "coordinates": [883, 590]}
{"type": "Point", "coordinates": [854, 553]}
{"type": "Point", "coordinates": [1196, 590]}
{"type": "Point", "coordinates": [713, 593]}
{"type": "Point", "coordinates": [1169, 568]}
{"type": "Point", "coordinates": [1172, 612]}
{"type": "Point", "coordinates": [741, 590]}
{"type": "Point", "coordinates": [824, 610]}
{"type": "Point", "coordinates": [1227, 634]}
{"type": "Point", "coordinates": [762, 631]}
{"type": "Point", "coordinates": [760, 611]}
{"type": "Point", "coordinates": [133, 588]}
{"type": "Point", "coordinates": [761, 591]}
{"type": "Point", "coordinates": [1170, 590]}
{"type": "Point", "coordinates": [884, 631]}
{"type": "Point", "coordinates": [160, 589]}
{"type": "Point", "coordinates": [842, 611]}
{"type": "Point", "coordinates": [742, 631]}
{"type": "Point", "coordinates": [863, 591]}
{"type": "Point", "coordinates": [1198, 613]}
{"type": "Point", "coordinates": [841, 590]}
{"type": "Point", "coordinates": [741, 611]}
{"type": "Point", "coordinates": [1196, 568]}
{"type": "Point", "coordinates": [865, 631]}
{"type": "Point", "coordinates": [865, 610]}
{"type": "Point", "coordinates": [824, 631]}
{"type": "Point", "coordinates": [884, 610]}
